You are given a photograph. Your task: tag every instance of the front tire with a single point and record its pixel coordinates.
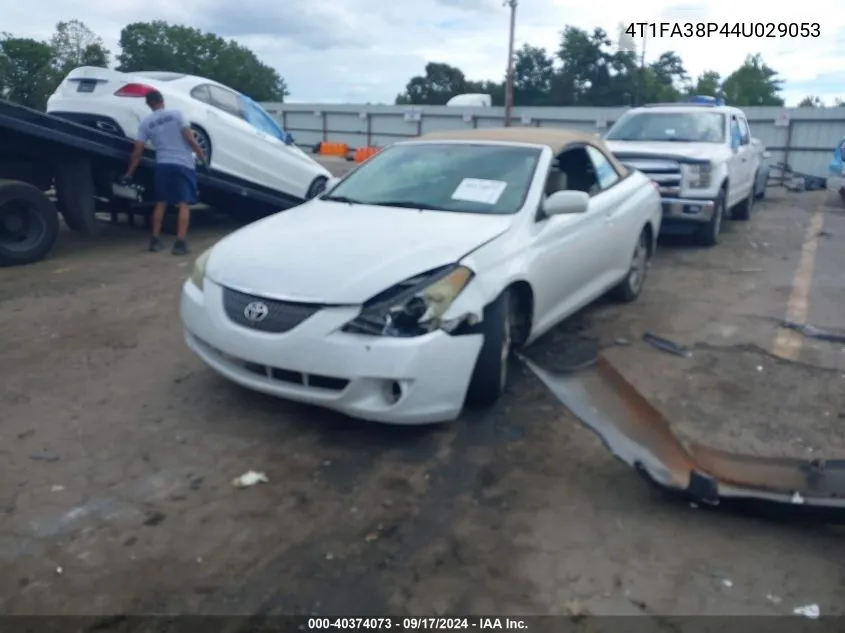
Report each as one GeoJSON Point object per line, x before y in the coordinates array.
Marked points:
{"type": "Point", "coordinates": [708, 234]}
{"type": "Point", "coordinates": [743, 210]}
{"type": "Point", "coordinates": [317, 187]}
{"type": "Point", "coordinates": [630, 287]}
{"type": "Point", "coordinates": [490, 376]}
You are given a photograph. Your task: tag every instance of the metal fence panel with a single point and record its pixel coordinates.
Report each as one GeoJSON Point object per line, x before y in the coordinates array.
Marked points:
{"type": "Point", "coordinates": [802, 137]}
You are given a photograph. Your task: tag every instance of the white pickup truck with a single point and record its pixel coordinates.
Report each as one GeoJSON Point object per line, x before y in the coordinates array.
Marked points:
{"type": "Point", "coordinates": [700, 155]}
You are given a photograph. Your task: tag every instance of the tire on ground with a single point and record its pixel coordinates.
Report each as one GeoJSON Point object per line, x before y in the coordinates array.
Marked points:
{"type": "Point", "coordinates": [486, 383]}
{"type": "Point", "coordinates": [708, 234]}
{"type": "Point", "coordinates": [42, 215]}
{"type": "Point", "coordinates": [75, 193]}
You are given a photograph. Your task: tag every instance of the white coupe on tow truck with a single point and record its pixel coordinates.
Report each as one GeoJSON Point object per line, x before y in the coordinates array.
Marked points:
{"type": "Point", "coordinates": [238, 136]}
{"type": "Point", "coordinates": [398, 294]}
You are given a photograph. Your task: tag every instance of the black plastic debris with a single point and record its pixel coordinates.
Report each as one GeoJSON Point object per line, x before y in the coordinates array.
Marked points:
{"type": "Point", "coordinates": [665, 345]}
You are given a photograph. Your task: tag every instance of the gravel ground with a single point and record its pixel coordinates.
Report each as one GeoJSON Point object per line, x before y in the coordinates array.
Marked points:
{"type": "Point", "coordinates": [119, 448]}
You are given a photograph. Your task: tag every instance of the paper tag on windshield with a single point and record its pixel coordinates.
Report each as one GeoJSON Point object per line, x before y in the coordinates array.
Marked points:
{"type": "Point", "coordinates": [477, 190]}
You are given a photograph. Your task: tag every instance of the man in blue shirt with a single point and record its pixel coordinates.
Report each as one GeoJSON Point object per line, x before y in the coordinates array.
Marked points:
{"type": "Point", "coordinates": [175, 172]}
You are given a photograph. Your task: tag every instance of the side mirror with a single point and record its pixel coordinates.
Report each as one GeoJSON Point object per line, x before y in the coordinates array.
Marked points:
{"type": "Point", "coordinates": [330, 184]}
{"type": "Point", "coordinates": [288, 138]}
{"type": "Point", "coordinates": [566, 203]}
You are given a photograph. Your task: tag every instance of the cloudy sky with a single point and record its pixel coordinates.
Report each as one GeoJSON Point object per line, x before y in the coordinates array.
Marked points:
{"type": "Point", "coordinates": [366, 50]}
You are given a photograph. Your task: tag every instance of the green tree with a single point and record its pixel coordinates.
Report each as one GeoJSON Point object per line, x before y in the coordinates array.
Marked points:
{"type": "Point", "coordinates": [811, 101]}
{"type": "Point", "coordinates": [709, 83]}
{"type": "Point", "coordinates": [26, 75]}
{"type": "Point", "coordinates": [754, 83]}
{"type": "Point", "coordinates": [75, 45]}
{"type": "Point", "coordinates": [158, 45]}
{"type": "Point", "coordinates": [533, 74]}
{"type": "Point", "coordinates": [440, 83]}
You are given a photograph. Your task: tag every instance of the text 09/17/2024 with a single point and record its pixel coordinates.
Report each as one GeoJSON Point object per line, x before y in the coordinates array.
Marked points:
{"type": "Point", "coordinates": [724, 29]}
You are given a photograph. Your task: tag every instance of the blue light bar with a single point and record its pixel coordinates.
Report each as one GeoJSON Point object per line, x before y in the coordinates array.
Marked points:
{"type": "Point", "coordinates": [716, 101]}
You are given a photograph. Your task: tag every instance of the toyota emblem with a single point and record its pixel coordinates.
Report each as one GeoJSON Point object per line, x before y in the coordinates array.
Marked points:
{"type": "Point", "coordinates": [256, 311]}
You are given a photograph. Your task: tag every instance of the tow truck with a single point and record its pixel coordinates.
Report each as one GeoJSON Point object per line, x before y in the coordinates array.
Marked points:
{"type": "Point", "coordinates": [40, 153]}
{"type": "Point", "coordinates": [700, 154]}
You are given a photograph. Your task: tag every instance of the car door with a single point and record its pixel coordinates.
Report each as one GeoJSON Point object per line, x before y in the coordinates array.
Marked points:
{"type": "Point", "coordinates": [749, 158]}
{"type": "Point", "coordinates": [280, 165]}
{"type": "Point", "coordinates": [231, 135]}
{"type": "Point", "coordinates": [738, 164]}
{"type": "Point", "coordinates": [617, 200]}
{"type": "Point", "coordinates": [566, 256]}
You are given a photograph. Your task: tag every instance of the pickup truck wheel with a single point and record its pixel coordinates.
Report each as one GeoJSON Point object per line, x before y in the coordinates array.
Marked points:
{"type": "Point", "coordinates": [743, 210]}
{"type": "Point", "coordinates": [29, 224]}
{"type": "Point", "coordinates": [632, 285]}
{"type": "Point", "coordinates": [317, 187]}
{"type": "Point", "coordinates": [708, 234]}
{"type": "Point", "coordinates": [490, 376]}
{"type": "Point", "coordinates": [75, 194]}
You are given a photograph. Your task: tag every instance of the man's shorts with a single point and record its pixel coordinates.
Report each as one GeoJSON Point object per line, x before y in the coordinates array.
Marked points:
{"type": "Point", "coordinates": [175, 184]}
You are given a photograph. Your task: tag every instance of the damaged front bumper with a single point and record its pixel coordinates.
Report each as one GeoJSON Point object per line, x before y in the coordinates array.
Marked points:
{"type": "Point", "coordinates": [639, 435]}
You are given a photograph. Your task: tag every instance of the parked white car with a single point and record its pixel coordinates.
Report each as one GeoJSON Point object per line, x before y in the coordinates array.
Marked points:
{"type": "Point", "coordinates": [238, 135]}
{"type": "Point", "coordinates": [701, 156]}
{"type": "Point", "coordinates": [399, 293]}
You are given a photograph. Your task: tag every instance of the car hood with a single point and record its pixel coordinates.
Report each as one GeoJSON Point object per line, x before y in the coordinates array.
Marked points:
{"type": "Point", "coordinates": [705, 151]}
{"type": "Point", "coordinates": [337, 253]}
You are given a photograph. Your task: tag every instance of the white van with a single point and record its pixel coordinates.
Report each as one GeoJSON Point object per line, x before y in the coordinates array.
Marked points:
{"type": "Point", "coordinates": [471, 100]}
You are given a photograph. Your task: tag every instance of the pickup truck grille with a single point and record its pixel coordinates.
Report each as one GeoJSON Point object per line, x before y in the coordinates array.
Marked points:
{"type": "Point", "coordinates": [666, 173]}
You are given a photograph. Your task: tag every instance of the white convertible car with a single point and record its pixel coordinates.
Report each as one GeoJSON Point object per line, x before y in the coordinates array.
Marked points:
{"type": "Point", "coordinates": [237, 134]}
{"type": "Point", "coordinates": [398, 294]}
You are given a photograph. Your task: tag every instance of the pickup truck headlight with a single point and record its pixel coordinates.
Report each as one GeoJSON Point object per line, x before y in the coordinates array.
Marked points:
{"type": "Point", "coordinates": [198, 272]}
{"type": "Point", "coordinates": [414, 307]}
{"type": "Point", "coordinates": [699, 176]}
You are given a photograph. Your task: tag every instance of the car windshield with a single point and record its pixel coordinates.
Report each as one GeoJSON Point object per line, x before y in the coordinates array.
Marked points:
{"type": "Point", "coordinates": [261, 120]}
{"type": "Point", "coordinates": [457, 177]}
{"type": "Point", "coordinates": [691, 127]}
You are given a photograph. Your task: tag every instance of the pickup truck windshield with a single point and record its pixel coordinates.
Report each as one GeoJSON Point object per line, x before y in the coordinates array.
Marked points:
{"type": "Point", "coordinates": [690, 127]}
{"type": "Point", "coordinates": [455, 177]}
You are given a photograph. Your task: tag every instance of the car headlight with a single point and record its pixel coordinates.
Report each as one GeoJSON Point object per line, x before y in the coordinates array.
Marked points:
{"type": "Point", "coordinates": [198, 272]}
{"type": "Point", "coordinates": [414, 307]}
{"type": "Point", "coordinates": [700, 176]}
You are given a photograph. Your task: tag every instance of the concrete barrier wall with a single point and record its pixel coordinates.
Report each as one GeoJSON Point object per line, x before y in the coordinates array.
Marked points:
{"type": "Point", "coordinates": [802, 137]}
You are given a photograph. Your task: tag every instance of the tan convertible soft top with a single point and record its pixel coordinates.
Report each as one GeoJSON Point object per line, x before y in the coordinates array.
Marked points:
{"type": "Point", "coordinates": [557, 139]}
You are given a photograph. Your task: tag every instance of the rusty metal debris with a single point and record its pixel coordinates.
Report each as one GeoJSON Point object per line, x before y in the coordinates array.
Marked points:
{"type": "Point", "coordinates": [814, 332]}
{"type": "Point", "coordinates": [639, 435]}
{"type": "Point", "coordinates": [665, 345]}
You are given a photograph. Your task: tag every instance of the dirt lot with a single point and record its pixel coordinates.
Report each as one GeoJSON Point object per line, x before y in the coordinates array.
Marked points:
{"type": "Point", "coordinates": [119, 448]}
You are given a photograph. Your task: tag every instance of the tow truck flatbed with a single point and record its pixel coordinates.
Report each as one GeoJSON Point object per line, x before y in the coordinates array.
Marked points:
{"type": "Point", "coordinates": [39, 151]}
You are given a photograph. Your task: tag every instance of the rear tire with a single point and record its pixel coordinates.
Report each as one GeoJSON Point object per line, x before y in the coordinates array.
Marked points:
{"type": "Point", "coordinates": [630, 287]}
{"type": "Point", "coordinates": [743, 210]}
{"type": "Point", "coordinates": [490, 376]}
{"type": "Point", "coordinates": [29, 224]}
{"type": "Point", "coordinates": [708, 234]}
{"type": "Point", "coordinates": [204, 142]}
{"type": "Point", "coordinates": [75, 195]}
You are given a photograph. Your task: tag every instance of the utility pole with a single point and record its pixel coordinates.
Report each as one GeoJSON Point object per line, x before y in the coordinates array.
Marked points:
{"type": "Point", "coordinates": [509, 77]}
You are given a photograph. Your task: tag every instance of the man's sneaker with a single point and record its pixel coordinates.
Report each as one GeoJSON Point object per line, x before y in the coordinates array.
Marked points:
{"type": "Point", "coordinates": [180, 248]}
{"type": "Point", "coordinates": [155, 245]}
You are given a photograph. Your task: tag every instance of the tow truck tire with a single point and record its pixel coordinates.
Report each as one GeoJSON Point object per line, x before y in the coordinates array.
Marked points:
{"type": "Point", "coordinates": [75, 194]}
{"type": "Point", "coordinates": [29, 224]}
{"type": "Point", "coordinates": [708, 234]}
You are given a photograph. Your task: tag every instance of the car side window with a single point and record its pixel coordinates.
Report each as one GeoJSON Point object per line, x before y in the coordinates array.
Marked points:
{"type": "Point", "coordinates": [744, 132]}
{"type": "Point", "coordinates": [226, 100]}
{"type": "Point", "coordinates": [606, 173]}
{"type": "Point", "coordinates": [736, 134]}
{"type": "Point", "coordinates": [201, 93]}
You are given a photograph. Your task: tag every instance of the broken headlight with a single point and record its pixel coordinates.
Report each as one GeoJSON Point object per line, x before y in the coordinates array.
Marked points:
{"type": "Point", "coordinates": [699, 176]}
{"type": "Point", "coordinates": [414, 307]}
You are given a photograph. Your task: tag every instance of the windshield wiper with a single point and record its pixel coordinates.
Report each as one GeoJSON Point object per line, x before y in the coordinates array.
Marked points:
{"type": "Point", "coordinates": [342, 199]}
{"type": "Point", "coordinates": [408, 204]}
